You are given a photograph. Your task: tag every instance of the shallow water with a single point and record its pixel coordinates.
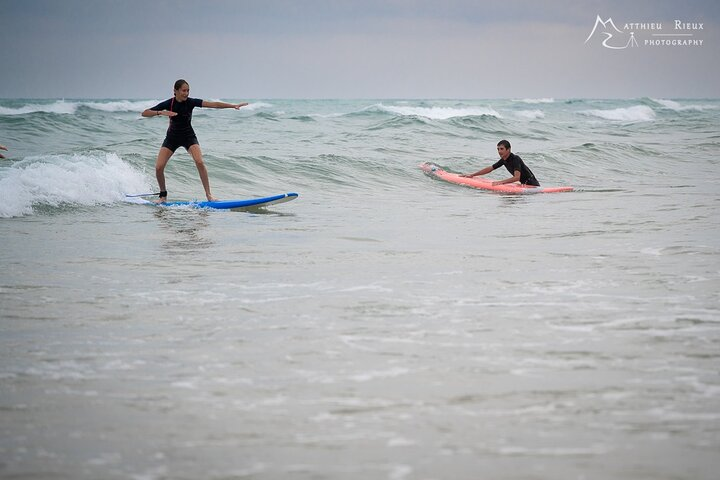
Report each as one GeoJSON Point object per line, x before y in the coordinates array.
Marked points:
{"type": "Point", "coordinates": [383, 325]}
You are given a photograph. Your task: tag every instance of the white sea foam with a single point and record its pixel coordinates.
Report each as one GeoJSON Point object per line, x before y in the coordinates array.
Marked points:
{"type": "Point", "coordinates": [82, 179]}
{"type": "Point", "coordinates": [438, 113]}
{"type": "Point", "coordinates": [257, 106]}
{"type": "Point", "coordinates": [70, 107]}
{"type": "Point", "coordinates": [537, 100]}
{"type": "Point", "coordinates": [60, 106]}
{"type": "Point", "coordinates": [530, 114]}
{"type": "Point", "coordinates": [637, 113]}
{"type": "Point", "coordinates": [569, 451]}
{"type": "Point", "coordinates": [372, 375]}
{"type": "Point", "coordinates": [676, 106]}
{"type": "Point", "coordinates": [121, 105]}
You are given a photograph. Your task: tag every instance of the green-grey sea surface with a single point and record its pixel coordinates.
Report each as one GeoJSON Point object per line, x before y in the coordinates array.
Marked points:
{"type": "Point", "coordinates": [384, 325]}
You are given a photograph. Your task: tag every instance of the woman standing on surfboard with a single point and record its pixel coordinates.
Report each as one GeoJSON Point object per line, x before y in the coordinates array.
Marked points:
{"type": "Point", "coordinates": [181, 134]}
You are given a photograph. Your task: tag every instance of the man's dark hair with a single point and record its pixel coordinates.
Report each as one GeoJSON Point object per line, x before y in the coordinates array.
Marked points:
{"type": "Point", "coordinates": [504, 143]}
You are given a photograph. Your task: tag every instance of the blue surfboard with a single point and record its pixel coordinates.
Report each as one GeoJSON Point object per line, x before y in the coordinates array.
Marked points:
{"type": "Point", "coordinates": [227, 204]}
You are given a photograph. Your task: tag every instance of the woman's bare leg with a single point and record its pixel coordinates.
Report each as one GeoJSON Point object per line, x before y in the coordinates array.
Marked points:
{"type": "Point", "coordinates": [197, 156]}
{"type": "Point", "coordinates": [162, 160]}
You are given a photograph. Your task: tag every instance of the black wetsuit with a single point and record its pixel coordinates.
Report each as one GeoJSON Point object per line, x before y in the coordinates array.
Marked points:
{"type": "Point", "coordinates": [180, 132]}
{"type": "Point", "coordinates": [514, 163]}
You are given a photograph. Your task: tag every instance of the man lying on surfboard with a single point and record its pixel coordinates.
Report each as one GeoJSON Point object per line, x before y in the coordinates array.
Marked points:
{"type": "Point", "coordinates": [514, 164]}
{"type": "Point", "coordinates": [181, 134]}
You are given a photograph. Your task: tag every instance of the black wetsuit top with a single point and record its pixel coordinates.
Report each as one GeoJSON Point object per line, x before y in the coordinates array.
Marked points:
{"type": "Point", "coordinates": [514, 163]}
{"type": "Point", "coordinates": [180, 132]}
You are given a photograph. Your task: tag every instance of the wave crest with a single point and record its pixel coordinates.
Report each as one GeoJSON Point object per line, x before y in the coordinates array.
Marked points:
{"type": "Point", "coordinates": [530, 114]}
{"type": "Point", "coordinates": [78, 179]}
{"type": "Point", "coordinates": [536, 100]}
{"type": "Point", "coordinates": [678, 107]}
{"type": "Point", "coordinates": [436, 113]}
{"type": "Point", "coordinates": [59, 107]}
{"type": "Point", "coordinates": [637, 113]}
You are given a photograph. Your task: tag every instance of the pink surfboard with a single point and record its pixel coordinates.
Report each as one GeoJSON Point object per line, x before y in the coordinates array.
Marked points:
{"type": "Point", "coordinates": [487, 184]}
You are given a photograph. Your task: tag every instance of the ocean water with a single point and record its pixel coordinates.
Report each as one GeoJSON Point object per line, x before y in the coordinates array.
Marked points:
{"type": "Point", "coordinates": [384, 325]}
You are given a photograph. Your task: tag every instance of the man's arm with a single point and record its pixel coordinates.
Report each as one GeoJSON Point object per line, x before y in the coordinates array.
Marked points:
{"type": "Point", "coordinates": [484, 171]}
{"type": "Point", "coordinates": [514, 178]}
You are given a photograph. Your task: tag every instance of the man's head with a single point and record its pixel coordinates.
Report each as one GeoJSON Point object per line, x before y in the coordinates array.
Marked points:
{"type": "Point", "coordinates": [503, 148]}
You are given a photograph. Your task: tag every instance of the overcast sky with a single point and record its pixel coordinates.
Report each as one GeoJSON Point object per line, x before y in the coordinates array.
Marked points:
{"type": "Point", "coordinates": [251, 49]}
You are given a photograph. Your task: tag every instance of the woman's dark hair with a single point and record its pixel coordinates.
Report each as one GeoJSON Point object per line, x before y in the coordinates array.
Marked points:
{"type": "Point", "coordinates": [180, 83]}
